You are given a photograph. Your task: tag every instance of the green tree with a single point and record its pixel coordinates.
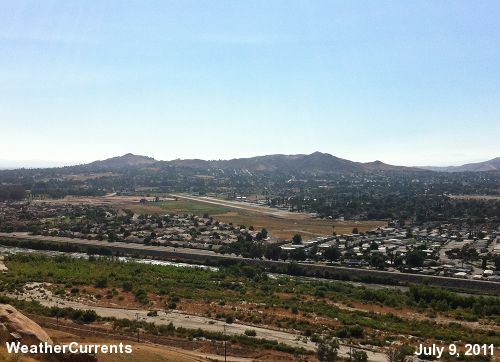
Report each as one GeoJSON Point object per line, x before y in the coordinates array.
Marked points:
{"type": "Point", "coordinates": [398, 261]}
{"type": "Point", "coordinates": [415, 258]}
{"type": "Point", "coordinates": [467, 253]}
{"type": "Point", "coordinates": [377, 261]}
{"type": "Point", "coordinates": [297, 239]}
{"type": "Point", "coordinates": [359, 356]}
{"type": "Point", "coordinates": [272, 252]}
{"type": "Point", "coordinates": [298, 254]}
{"type": "Point", "coordinates": [332, 253]}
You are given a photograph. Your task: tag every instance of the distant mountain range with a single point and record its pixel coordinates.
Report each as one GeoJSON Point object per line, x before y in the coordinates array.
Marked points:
{"type": "Point", "coordinates": [491, 165]}
{"type": "Point", "coordinates": [128, 160]}
{"type": "Point", "coordinates": [12, 165]}
{"type": "Point", "coordinates": [316, 163]}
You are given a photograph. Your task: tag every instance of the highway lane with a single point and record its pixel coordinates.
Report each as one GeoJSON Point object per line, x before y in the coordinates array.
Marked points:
{"type": "Point", "coordinates": [201, 255]}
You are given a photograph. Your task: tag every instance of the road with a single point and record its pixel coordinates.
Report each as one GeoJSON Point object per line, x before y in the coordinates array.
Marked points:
{"type": "Point", "coordinates": [37, 291]}
{"type": "Point", "coordinates": [201, 255]}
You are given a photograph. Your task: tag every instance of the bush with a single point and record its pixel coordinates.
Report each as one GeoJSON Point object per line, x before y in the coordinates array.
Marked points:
{"type": "Point", "coordinates": [342, 333]}
{"type": "Point", "coordinates": [356, 331]}
{"type": "Point", "coordinates": [141, 296]}
{"type": "Point", "coordinates": [359, 356]}
{"type": "Point", "coordinates": [327, 350]}
{"type": "Point", "coordinates": [127, 286]}
{"type": "Point", "coordinates": [250, 332]}
{"type": "Point", "coordinates": [101, 283]}
{"type": "Point", "coordinates": [89, 316]}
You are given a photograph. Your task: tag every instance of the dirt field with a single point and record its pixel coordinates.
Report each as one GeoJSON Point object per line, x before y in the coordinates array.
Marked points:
{"type": "Point", "coordinates": [90, 176]}
{"type": "Point", "coordinates": [285, 228]}
{"type": "Point", "coordinates": [281, 224]}
{"type": "Point", "coordinates": [475, 197]}
{"type": "Point", "coordinates": [141, 351]}
{"type": "Point", "coordinates": [42, 293]}
{"type": "Point", "coordinates": [45, 296]}
{"type": "Point", "coordinates": [110, 200]}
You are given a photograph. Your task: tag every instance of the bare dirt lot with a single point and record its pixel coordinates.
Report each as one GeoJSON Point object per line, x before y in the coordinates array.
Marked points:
{"type": "Point", "coordinates": [110, 200]}
{"type": "Point", "coordinates": [281, 224]}
{"type": "Point", "coordinates": [43, 294]}
{"type": "Point", "coordinates": [475, 197]}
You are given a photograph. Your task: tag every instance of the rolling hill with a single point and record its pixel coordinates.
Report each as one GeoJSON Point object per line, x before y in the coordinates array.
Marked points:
{"type": "Point", "coordinates": [127, 160]}
{"type": "Point", "coordinates": [490, 165]}
{"type": "Point", "coordinates": [314, 163]}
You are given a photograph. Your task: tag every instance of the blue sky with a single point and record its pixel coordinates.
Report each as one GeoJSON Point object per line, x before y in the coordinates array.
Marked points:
{"type": "Point", "coordinates": [406, 82]}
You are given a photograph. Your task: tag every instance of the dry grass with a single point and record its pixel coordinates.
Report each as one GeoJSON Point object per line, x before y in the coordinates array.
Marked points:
{"type": "Point", "coordinates": [475, 197]}
{"type": "Point", "coordinates": [140, 351]}
{"type": "Point", "coordinates": [90, 176]}
{"type": "Point", "coordinates": [110, 200]}
{"type": "Point", "coordinates": [5, 356]}
{"type": "Point", "coordinates": [279, 227]}
{"type": "Point", "coordinates": [286, 228]}
{"type": "Point", "coordinates": [280, 224]}
{"type": "Point", "coordinates": [177, 352]}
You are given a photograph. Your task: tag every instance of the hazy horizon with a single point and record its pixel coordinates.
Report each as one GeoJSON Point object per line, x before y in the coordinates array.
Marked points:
{"type": "Point", "coordinates": [11, 164]}
{"type": "Point", "coordinates": [414, 84]}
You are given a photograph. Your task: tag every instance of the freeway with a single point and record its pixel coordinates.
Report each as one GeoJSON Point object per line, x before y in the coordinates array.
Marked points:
{"type": "Point", "coordinates": [201, 256]}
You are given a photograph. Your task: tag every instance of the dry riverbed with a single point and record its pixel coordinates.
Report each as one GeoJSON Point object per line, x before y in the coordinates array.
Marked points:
{"type": "Point", "coordinates": [41, 292]}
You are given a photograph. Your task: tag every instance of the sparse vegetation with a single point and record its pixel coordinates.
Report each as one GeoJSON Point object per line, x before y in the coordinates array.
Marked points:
{"type": "Point", "coordinates": [235, 284]}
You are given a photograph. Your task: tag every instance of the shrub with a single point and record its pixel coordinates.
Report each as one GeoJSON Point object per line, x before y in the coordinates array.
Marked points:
{"type": "Point", "coordinates": [89, 316]}
{"type": "Point", "coordinates": [141, 296]}
{"type": "Point", "coordinates": [359, 356]}
{"type": "Point", "coordinates": [127, 286]}
{"type": "Point", "coordinates": [250, 332]}
{"type": "Point", "coordinates": [356, 331]}
{"type": "Point", "coordinates": [101, 283]}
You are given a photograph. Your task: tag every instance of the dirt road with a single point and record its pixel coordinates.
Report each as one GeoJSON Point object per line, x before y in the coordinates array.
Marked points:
{"type": "Point", "coordinates": [38, 292]}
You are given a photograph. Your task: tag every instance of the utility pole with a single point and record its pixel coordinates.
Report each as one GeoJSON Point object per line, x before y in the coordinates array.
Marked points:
{"type": "Point", "coordinates": [225, 350]}
{"type": "Point", "coordinates": [137, 320]}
